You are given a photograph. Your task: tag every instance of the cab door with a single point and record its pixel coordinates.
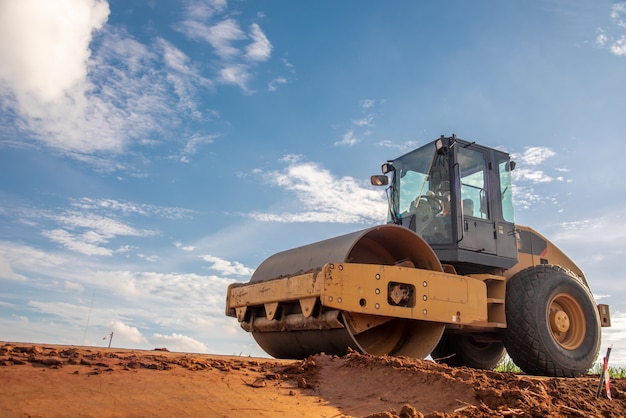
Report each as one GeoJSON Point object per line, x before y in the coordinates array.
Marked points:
{"type": "Point", "coordinates": [477, 225]}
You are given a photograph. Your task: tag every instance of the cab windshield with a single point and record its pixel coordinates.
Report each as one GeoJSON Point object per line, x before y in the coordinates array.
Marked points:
{"type": "Point", "coordinates": [422, 194]}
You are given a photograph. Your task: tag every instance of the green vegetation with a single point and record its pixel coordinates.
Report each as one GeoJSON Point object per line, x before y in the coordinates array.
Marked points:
{"type": "Point", "coordinates": [614, 372]}
{"type": "Point", "coordinates": [507, 365]}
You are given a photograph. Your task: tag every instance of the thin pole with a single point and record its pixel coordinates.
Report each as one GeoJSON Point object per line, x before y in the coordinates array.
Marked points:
{"type": "Point", "coordinates": [93, 294]}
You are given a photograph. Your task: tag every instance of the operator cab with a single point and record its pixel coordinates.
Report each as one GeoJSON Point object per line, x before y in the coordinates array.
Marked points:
{"type": "Point", "coordinates": [457, 196]}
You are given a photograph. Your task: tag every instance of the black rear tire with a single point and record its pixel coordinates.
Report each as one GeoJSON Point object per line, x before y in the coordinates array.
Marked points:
{"type": "Point", "coordinates": [464, 350]}
{"type": "Point", "coordinates": [553, 326]}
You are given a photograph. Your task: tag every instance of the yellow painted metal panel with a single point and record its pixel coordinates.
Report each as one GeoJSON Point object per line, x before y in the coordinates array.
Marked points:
{"type": "Point", "coordinates": [435, 296]}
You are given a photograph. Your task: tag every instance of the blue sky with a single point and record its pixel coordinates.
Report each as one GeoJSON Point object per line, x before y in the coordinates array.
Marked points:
{"type": "Point", "coordinates": [151, 153]}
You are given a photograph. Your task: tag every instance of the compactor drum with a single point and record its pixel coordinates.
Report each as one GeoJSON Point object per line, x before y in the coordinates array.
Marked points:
{"type": "Point", "coordinates": [331, 330]}
{"type": "Point", "coordinates": [451, 275]}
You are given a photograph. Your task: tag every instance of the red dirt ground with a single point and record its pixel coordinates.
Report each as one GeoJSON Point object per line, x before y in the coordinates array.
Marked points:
{"type": "Point", "coordinates": [38, 380]}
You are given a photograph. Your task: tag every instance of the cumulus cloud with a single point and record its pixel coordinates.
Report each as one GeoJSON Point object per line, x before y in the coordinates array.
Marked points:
{"type": "Point", "coordinates": [45, 50]}
{"type": "Point", "coordinates": [44, 46]}
{"type": "Point", "coordinates": [615, 43]}
{"type": "Point", "coordinates": [91, 90]}
{"type": "Point", "coordinates": [322, 197]}
{"type": "Point", "coordinates": [527, 163]}
{"type": "Point", "coordinates": [618, 14]}
{"type": "Point", "coordinates": [619, 46]}
{"type": "Point", "coordinates": [534, 155]}
{"type": "Point", "coordinates": [126, 333]}
{"type": "Point", "coordinates": [178, 342]}
{"type": "Point", "coordinates": [226, 267]}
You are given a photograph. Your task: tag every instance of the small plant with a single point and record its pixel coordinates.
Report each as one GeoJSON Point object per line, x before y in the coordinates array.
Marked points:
{"type": "Point", "coordinates": [507, 365]}
{"type": "Point", "coordinates": [614, 372]}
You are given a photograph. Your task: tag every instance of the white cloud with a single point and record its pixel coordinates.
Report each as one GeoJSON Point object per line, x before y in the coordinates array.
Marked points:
{"type": "Point", "coordinates": [348, 139]}
{"type": "Point", "coordinates": [238, 51]}
{"type": "Point", "coordinates": [100, 228]}
{"type": "Point", "coordinates": [69, 312]}
{"type": "Point", "coordinates": [184, 247]}
{"type": "Point", "coordinates": [120, 103]}
{"type": "Point", "coordinates": [601, 39]}
{"type": "Point", "coordinates": [597, 232]}
{"type": "Point", "coordinates": [367, 103]}
{"type": "Point", "coordinates": [260, 49]}
{"type": "Point", "coordinates": [616, 45]}
{"type": "Point", "coordinates": [615, 335]}
{"type": "Point", "coordinates": [204, 9]}
{"type": "Point", "coordinates": [86, 232]}
{"type": "Point", "coordinates": [618, 14]}
{"type": "Point", "coordinates": [195, 142]}
{"type": "Point", "coordinates": [91, 96]}
{"type": "Point", "coordinates": [323, 198]}
{"type": "Point", "coordinates": [534, 155]}
{"type": "Point", "coordinates": [75, 242]}
{"type": "Point", "coordinates": [220, 36]}
{"type": "Point", "coordinates": [74, 286]}
{"type": "Point", "coordinates": [183, 77]}
{"type": "Point", "coordinates": [273, 85]}
{"type": "Point", "coordinates": [527, 163]}
{"type": "Point", "coordinates": [178, 342]}
{"type": "Point", "coordinates": [366, 121]}
{"type": "Point", "coordinates": [619, 46]}
{"type": "Point", "coordinates": [6, 272]}
{"type": "Point", "coordinates": [226, 267]}
{"type": "Point", "coordinates": [127, 301]}
{"type": "Point", "coordinates": [32, 259]}
{"type": "Point", "coordinates": [402, 148]}
{"type": "Point", "coordinates": [126, 333]}
{"type": "Point", "coordinates": [535, 176]}
{"type": "Point", "coordinates": [87, 203]}
{"type": "Point", "coordinates": [44, 46]}
{"type": "Point", "coordinates": [235, 74]}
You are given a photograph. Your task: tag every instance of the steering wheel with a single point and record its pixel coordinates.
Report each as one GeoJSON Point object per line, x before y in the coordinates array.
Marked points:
{"type": "Point", "coordinates": [434, 202]}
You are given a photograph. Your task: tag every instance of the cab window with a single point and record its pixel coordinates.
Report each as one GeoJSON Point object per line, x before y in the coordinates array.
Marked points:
{"type": "Point", "coordinates": [472, 167]}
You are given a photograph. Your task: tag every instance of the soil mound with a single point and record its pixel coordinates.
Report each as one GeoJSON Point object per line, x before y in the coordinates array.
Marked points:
{"type": "Point", "coordinates": [51, 381]}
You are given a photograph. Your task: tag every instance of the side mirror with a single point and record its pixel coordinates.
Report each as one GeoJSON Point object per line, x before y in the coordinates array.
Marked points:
{"type": "Point", "coordinates": [386, 168]}
{"type": "Point", "coordinates": [379, 180]}
{"type": "Point", "coordinates": [510, 166]}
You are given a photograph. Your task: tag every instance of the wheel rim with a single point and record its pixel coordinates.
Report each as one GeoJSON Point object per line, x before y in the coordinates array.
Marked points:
{"type": "Point", "coordinates": [567, 321]}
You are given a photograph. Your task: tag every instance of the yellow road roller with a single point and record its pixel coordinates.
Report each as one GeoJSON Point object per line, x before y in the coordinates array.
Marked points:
{"type": "Point", "coordinates": [449, 275]}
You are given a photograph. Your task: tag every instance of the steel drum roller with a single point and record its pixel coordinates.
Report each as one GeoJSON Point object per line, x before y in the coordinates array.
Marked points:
{"type": "Point", "coordinates": [386, 245]}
